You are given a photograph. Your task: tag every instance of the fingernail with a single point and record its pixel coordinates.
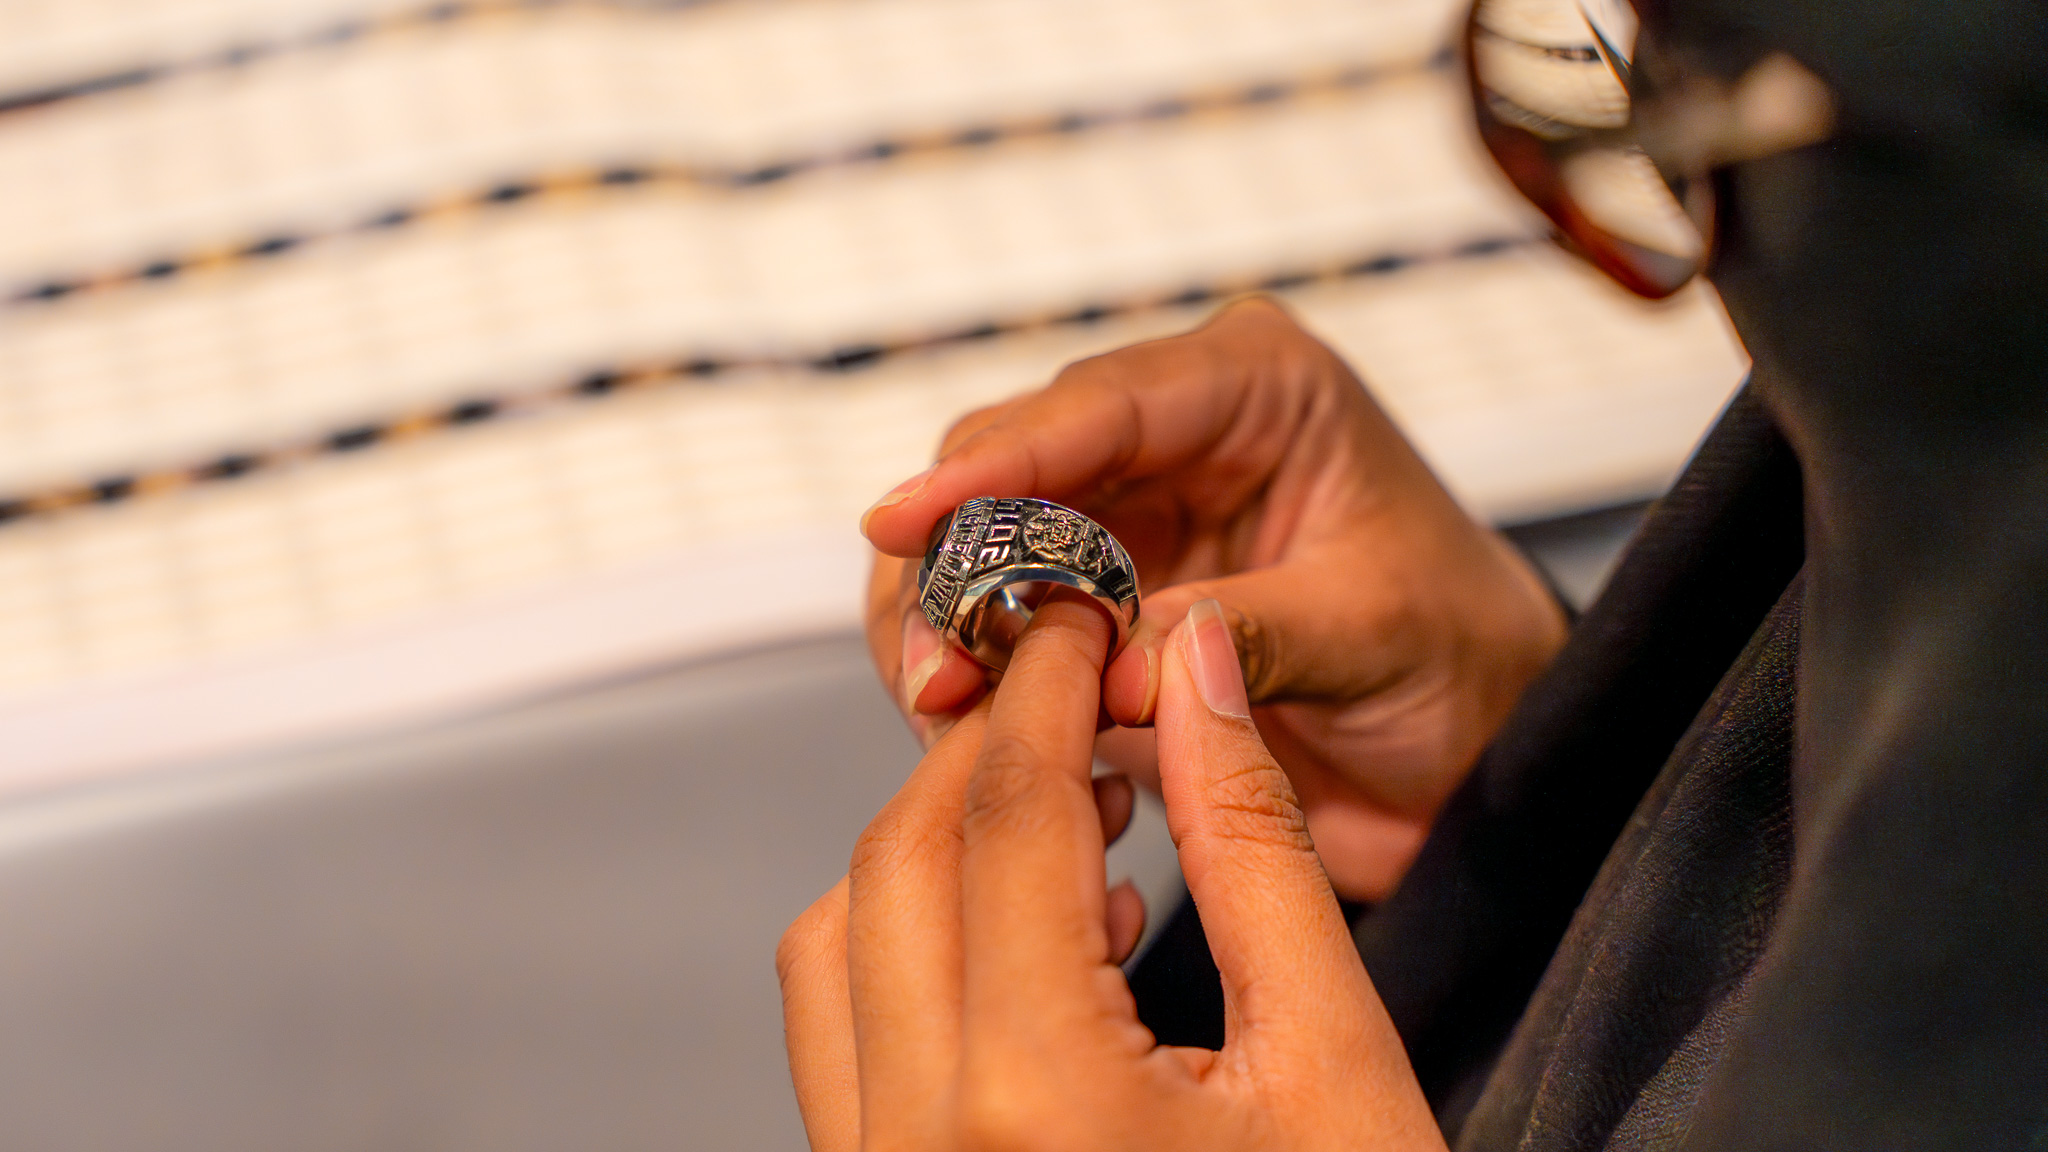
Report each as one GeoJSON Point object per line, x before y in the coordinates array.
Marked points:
{"type": "Point", "coordinates": [923, 653]}
{"type": "Point", "coordinates": [898, 495]}
{"type": "Point", "coordinates": [1212, 658]}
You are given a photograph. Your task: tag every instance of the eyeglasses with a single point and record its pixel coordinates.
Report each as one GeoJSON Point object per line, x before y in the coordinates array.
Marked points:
{"type": "Point", "coordinates": [1618, 160]}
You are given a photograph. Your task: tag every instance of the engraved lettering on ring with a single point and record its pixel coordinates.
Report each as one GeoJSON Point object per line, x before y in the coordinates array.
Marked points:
{"type": "Point", "coordinates": [1018, 547]}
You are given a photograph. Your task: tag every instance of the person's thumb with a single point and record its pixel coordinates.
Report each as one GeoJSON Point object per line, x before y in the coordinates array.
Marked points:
{"type": "Point", "coordinates": [1310, 628]}
{"type": "Point", "coordinates": [1279, 939]}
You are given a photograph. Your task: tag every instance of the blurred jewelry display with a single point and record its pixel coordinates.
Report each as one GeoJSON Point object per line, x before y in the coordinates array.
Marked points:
{"type": "Point", "coordinates": [701, 367]}
{"type": "Point", "coordinates": [994, 561]}
{"type": "Point", "coordinates": [619, 176]}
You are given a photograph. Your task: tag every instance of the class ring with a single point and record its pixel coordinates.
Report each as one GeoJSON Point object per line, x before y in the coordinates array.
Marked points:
{"type": "Point", "coordinates": [993, 561]}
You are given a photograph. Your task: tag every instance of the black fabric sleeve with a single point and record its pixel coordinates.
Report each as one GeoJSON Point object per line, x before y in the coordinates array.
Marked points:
{"type": "Point", "coordinates": [1903, 1001]}
{"type": "Point", "coordinates": [1457, 951]}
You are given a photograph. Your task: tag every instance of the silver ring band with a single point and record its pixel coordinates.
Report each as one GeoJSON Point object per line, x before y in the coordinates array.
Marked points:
{"type": "Point", "coordinates": [993, 561]}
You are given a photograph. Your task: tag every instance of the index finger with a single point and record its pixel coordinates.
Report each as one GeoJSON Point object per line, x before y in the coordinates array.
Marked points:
{"type": "Point", "coordinates": [1138, 411]}
{"type": "Point", "coordinates": [1031, 878]}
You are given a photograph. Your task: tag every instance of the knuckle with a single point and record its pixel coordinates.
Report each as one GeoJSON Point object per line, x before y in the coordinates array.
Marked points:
{"type": "Point", "coordinates": [883, 845]}
{"type": "Point", "coordinates": [1257, 316]}
{"type": "Point", "coordinates": [1001, 1114]}
{"type": "Point", "coordinates": [1131, 367]}
{"type": "Point", "coordinates": [818, 933]}
{"type": "Point", "coordinates": [1254, 305]}
{"type": "Point", "coordinates": [1256, 804]}
{"type": "Point", "coordinates": [1087, 372]}
{"type": "Point", "coordinates": [1007, 783]}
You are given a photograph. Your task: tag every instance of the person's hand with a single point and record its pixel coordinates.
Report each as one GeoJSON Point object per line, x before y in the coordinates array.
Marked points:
{"type": "Point", "coordinates": [1384, 634]}
{"type": "Point", "coordinates": [959, 990]}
